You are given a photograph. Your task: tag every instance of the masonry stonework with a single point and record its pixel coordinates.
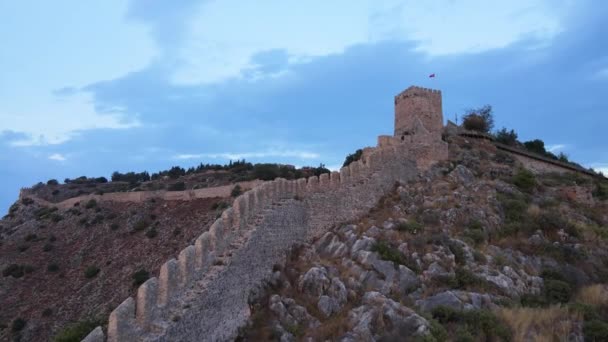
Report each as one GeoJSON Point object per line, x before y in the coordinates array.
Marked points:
{"type": "Point", "coordinates": [418, 110]}
{"type": "Point", "coordinates": [207, 288]}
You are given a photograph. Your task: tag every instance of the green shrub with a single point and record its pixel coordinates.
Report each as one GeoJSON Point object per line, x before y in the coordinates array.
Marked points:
{"type": "Point", "coordinates": [353, 157]}
{"type": "Point", "coordinates": [601, 191]}
{"type": "Point", "coordinates": [463, 335]}
{"type": "Point", "coordinates": [514, 208]}
{"type": "Point", "coordinates": [114, 226]}
{"type": "Point", "coordinates": [151, 233]}
{"type": "Point", "coordinates": [56, 217]}
{"type": "Point", "coordinates": [388, 253]}
{"type": "Point", "coordinates": [506, 137]}
{"type": "Point", "coordinates": [30, 237]}
{"type": "Point", "coordinates": [14, 207]}
{"type": "Point", "coordinates": [75, 332]}
{"type": "Point", "coordinates": [557, 291]}
{"type": "Point", "coordinates": [18, 324]}
{"type": "Point", "coordinates": [27, 201]}
{"type": "Point", "coordinates": [476, 236]}
{"type": "Point", "coordinates": [524, 180]}
{"type": "Point", "coordinates": [140, 277]}
{"type": "Point", "coordinates": [236, 191]}
{"type": "Point", "coordinates": [466, 278]}
{"type": "Point", "coordinates": [91, 272]}
{"type": "Point", "coordinates": [179, 186]}
{"type": "Point", "coordinates": [91, 204]}
{"type": "Point", "coordinates": [595, 330]}
{"type": "Point", "coordinates": [410, 226]}
{"type": "Point", "coordinates": [479, 257]}
{"type": "Point", "coordinates": [437, 331]}
{"type": "Point", "coordinates": [474, 322]}
{"type": "Point", "coordinates": [97, 219]}
{"type": "Point", "coordinates": [140, 225]}
{"type": "Point", "coordinates": [533, 300]}
{"type": "Point", "coordinates": [47, 312]}
{"type": "Point", "coordinates": [52, 182]}
{"type": "Point", "coordinates": [219, 206]}
{"type": "Point", "coordinates": [13, 270]}
{"type": "Point", "coordinates": [52, 267]}
{"type": "Point", "coordinates": [44, 212]}
{"type": "Point", "coordinates": [536, 146]}
{"type": "Point", "coordinates": [47, 247]}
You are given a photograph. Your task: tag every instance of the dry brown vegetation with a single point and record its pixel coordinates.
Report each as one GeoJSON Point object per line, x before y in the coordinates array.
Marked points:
{"type": "Point", "coordinates": [594, 295]}
{"type": "Point", "coordinates": [554, 323]}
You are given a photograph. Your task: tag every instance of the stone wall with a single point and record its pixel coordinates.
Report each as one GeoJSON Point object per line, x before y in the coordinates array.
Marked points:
{"type": "Point", "coordinates": [203, 294]}
{"type": "Point", "coordinates": [141, 196]}
{"type": "Point", "coordinates": [418, 104]}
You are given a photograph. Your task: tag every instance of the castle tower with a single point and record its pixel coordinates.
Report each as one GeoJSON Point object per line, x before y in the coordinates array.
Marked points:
{"type": "Point", "coordinates": [418, 110]}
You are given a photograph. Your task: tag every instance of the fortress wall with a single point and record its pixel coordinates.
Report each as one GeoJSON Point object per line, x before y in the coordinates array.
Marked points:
{"type": "Point", "coordinates": [538, 166]}
{"type": "Point", "coordinates": [141, 196]}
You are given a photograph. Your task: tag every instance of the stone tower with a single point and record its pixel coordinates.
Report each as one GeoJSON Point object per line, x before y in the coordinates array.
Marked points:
{"type": "Point", "coordinates": [418, 110]}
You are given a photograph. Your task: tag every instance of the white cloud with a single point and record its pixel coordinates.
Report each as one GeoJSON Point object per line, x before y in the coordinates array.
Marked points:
{"type": "Point", "coordinates": [64, 45]}
{"type": "Point", "coordinates": [600, 167]}
{"type": "Point", "coordinates": [54, 120]}
{"type": "Point", "coordinates": [57, 157]}
{"type": "Point", "coordinates": [246, 155]}
{"type": "Point", "coordinates": [225, 35]}
{"type": "Point", "coordinates": [556, 147]}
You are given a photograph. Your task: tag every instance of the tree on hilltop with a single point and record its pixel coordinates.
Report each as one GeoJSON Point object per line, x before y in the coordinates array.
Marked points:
{"type": "Point", "coordinates": [479, 119]}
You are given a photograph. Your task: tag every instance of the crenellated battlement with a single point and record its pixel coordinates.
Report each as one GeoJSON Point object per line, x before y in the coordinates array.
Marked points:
{"type": "Point", "coordinates": [416, 91]}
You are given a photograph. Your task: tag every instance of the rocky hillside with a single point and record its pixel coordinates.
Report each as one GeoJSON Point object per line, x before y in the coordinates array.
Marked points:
{"type": "Point", "coordinates": [477, 249]}
{"type": "Point", "coordinates": [63, 271]}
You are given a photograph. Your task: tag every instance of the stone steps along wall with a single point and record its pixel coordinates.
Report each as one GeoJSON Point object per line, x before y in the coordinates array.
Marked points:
{"type": "Point", "coordinates": [141, 196]}
{"type": "Point", "coordinates": [134, 319]}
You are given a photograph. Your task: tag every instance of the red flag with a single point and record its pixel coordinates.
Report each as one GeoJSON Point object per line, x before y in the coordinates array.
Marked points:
{"type": "Point", "coordinates": [432, 76]}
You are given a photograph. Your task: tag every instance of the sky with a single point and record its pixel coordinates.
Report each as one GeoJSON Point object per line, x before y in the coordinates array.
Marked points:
{"type": "Point", "coordinates": [88, 88]}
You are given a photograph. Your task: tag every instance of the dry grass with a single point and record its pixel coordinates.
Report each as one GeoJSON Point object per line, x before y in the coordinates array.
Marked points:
{"type": "Point", "coordinates": [593, 295]}
{"type": "Point", "coordinates": [554, 323]}
{"type": "Point", "coordinates": [534, 210]}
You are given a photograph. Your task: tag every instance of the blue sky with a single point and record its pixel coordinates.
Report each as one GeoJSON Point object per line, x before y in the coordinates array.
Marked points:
{"type": "Point", "coordinates": [88, 88]}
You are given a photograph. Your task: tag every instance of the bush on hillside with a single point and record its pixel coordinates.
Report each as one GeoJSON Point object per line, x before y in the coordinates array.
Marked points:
{"type": "Point", "coordinates": [75, 332]}
{"type": "Point", "coordinates": [506, 137]}
{"type": "Point", "coordinates": [18, 324]}
{"type": "Point", "coordinates": [601, 191]}
{"type": "Point", "coordinates": [388, 253]}
{"type": "Point", "coordinates": [524, 180]}
{"type": "Point", "coordinates": [179, 186]}
{"type": "Point", "coordinates": [236, 191]}
{"type": "Point", "coordinates": [91, 271]}
{"type": "Point", "coordinates": [140, 277]}
{"type": "Point", "coordinates": [479, 119]}
{"type": "Point", "coordinates": [353, 157]}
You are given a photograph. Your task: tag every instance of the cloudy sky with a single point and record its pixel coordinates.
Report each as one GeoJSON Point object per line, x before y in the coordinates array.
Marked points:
{"type": "Point", "coordinates": [88, 88]}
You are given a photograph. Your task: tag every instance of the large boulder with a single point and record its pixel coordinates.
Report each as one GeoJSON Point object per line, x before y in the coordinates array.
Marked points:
{"type": "Point", "coordinates": [380, 317]}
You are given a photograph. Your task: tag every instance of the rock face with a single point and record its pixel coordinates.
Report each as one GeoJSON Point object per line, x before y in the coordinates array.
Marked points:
{"type": "Point", "coordinates": [438, 246]}
{"type": "Point", "coordinates": [379, 317]}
